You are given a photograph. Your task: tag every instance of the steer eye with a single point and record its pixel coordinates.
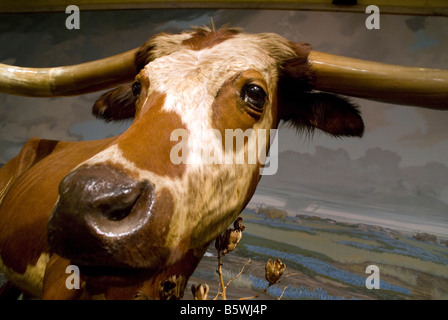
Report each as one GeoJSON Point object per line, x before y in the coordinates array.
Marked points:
{"type": "Point", "coordinates": [254, 95]}
{"type": "Point", "coordinates": [136, 88]}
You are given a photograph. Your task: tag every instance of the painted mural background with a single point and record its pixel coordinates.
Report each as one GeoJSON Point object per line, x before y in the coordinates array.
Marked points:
{"type": "Point", "coordinates": [381, 200]}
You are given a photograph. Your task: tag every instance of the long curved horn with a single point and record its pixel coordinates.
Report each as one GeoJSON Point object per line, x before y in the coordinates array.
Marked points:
{"type": "Point", "coordinates": [421, 87]}
{"type": "Point", "coordinates": [69, 80]}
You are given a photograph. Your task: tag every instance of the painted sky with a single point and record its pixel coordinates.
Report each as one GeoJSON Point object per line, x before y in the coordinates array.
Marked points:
{"type": "Point", "coordinates": [416, 136]}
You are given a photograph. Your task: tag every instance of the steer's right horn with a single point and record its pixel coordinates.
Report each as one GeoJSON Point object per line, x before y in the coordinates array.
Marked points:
{"type": "Point", "coordinates": [413, 86]}
{"type": "Point", "coordinates": [68, 80]}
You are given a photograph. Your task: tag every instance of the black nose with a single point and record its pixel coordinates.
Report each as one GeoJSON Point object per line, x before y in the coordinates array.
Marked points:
{"type": "Point", "coordinates": [99, 208]}
{"type": "Point", "coordinates": [109, 193]}
{"type": "Point", "coordinates": [100, 190]}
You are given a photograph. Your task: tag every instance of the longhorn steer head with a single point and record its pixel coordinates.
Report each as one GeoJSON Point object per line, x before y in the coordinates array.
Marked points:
{"type": "Point", "coordinates": [130, 217]}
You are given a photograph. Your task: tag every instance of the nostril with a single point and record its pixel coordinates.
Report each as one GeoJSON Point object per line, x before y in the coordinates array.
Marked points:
{"type": "Point", "coordinates": [116, 213]}
{"type": "Point", "coordinates": [117, 203]}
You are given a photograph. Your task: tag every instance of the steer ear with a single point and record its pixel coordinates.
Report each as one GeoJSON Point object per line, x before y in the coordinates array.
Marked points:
{"type": "Point", "coordinates": [330, 113]}
{"type": "Point", "coordinates": [117, 104]}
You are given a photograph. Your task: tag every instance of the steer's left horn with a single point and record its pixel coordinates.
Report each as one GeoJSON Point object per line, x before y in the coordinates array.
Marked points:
{"type": "Point", "coordinates": [69, 80]}
{"type": "Point", "coordinates": [413, 86]}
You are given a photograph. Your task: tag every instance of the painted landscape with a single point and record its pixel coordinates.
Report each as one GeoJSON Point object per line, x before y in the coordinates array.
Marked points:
{"type": "Point", "coordinates": [328, 260]}
{"type": "Point", "coordinates": [343, 215]}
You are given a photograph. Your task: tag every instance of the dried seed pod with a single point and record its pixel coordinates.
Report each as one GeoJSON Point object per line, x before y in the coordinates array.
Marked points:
{"type": "Point", "coordinates": [172, 288]}
{"type": "Point", "coordinates": [237, 224]}
{"type": "Point", "coordinates": [200, 292]}
{"type": "Point", "coordinates": [228, 241]}
{"type": "Point", "coordinates": [273, 271]}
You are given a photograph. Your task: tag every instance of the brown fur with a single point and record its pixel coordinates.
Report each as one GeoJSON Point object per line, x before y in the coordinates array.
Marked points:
{"type": "Point", "coordinates": [229, 110]}
{"type": "Point", "coordinates": [156, 137]}
{"type": "Point", "coordinates": [41, 196]}
{"type": "Point", "coordinates": [202, 38]}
